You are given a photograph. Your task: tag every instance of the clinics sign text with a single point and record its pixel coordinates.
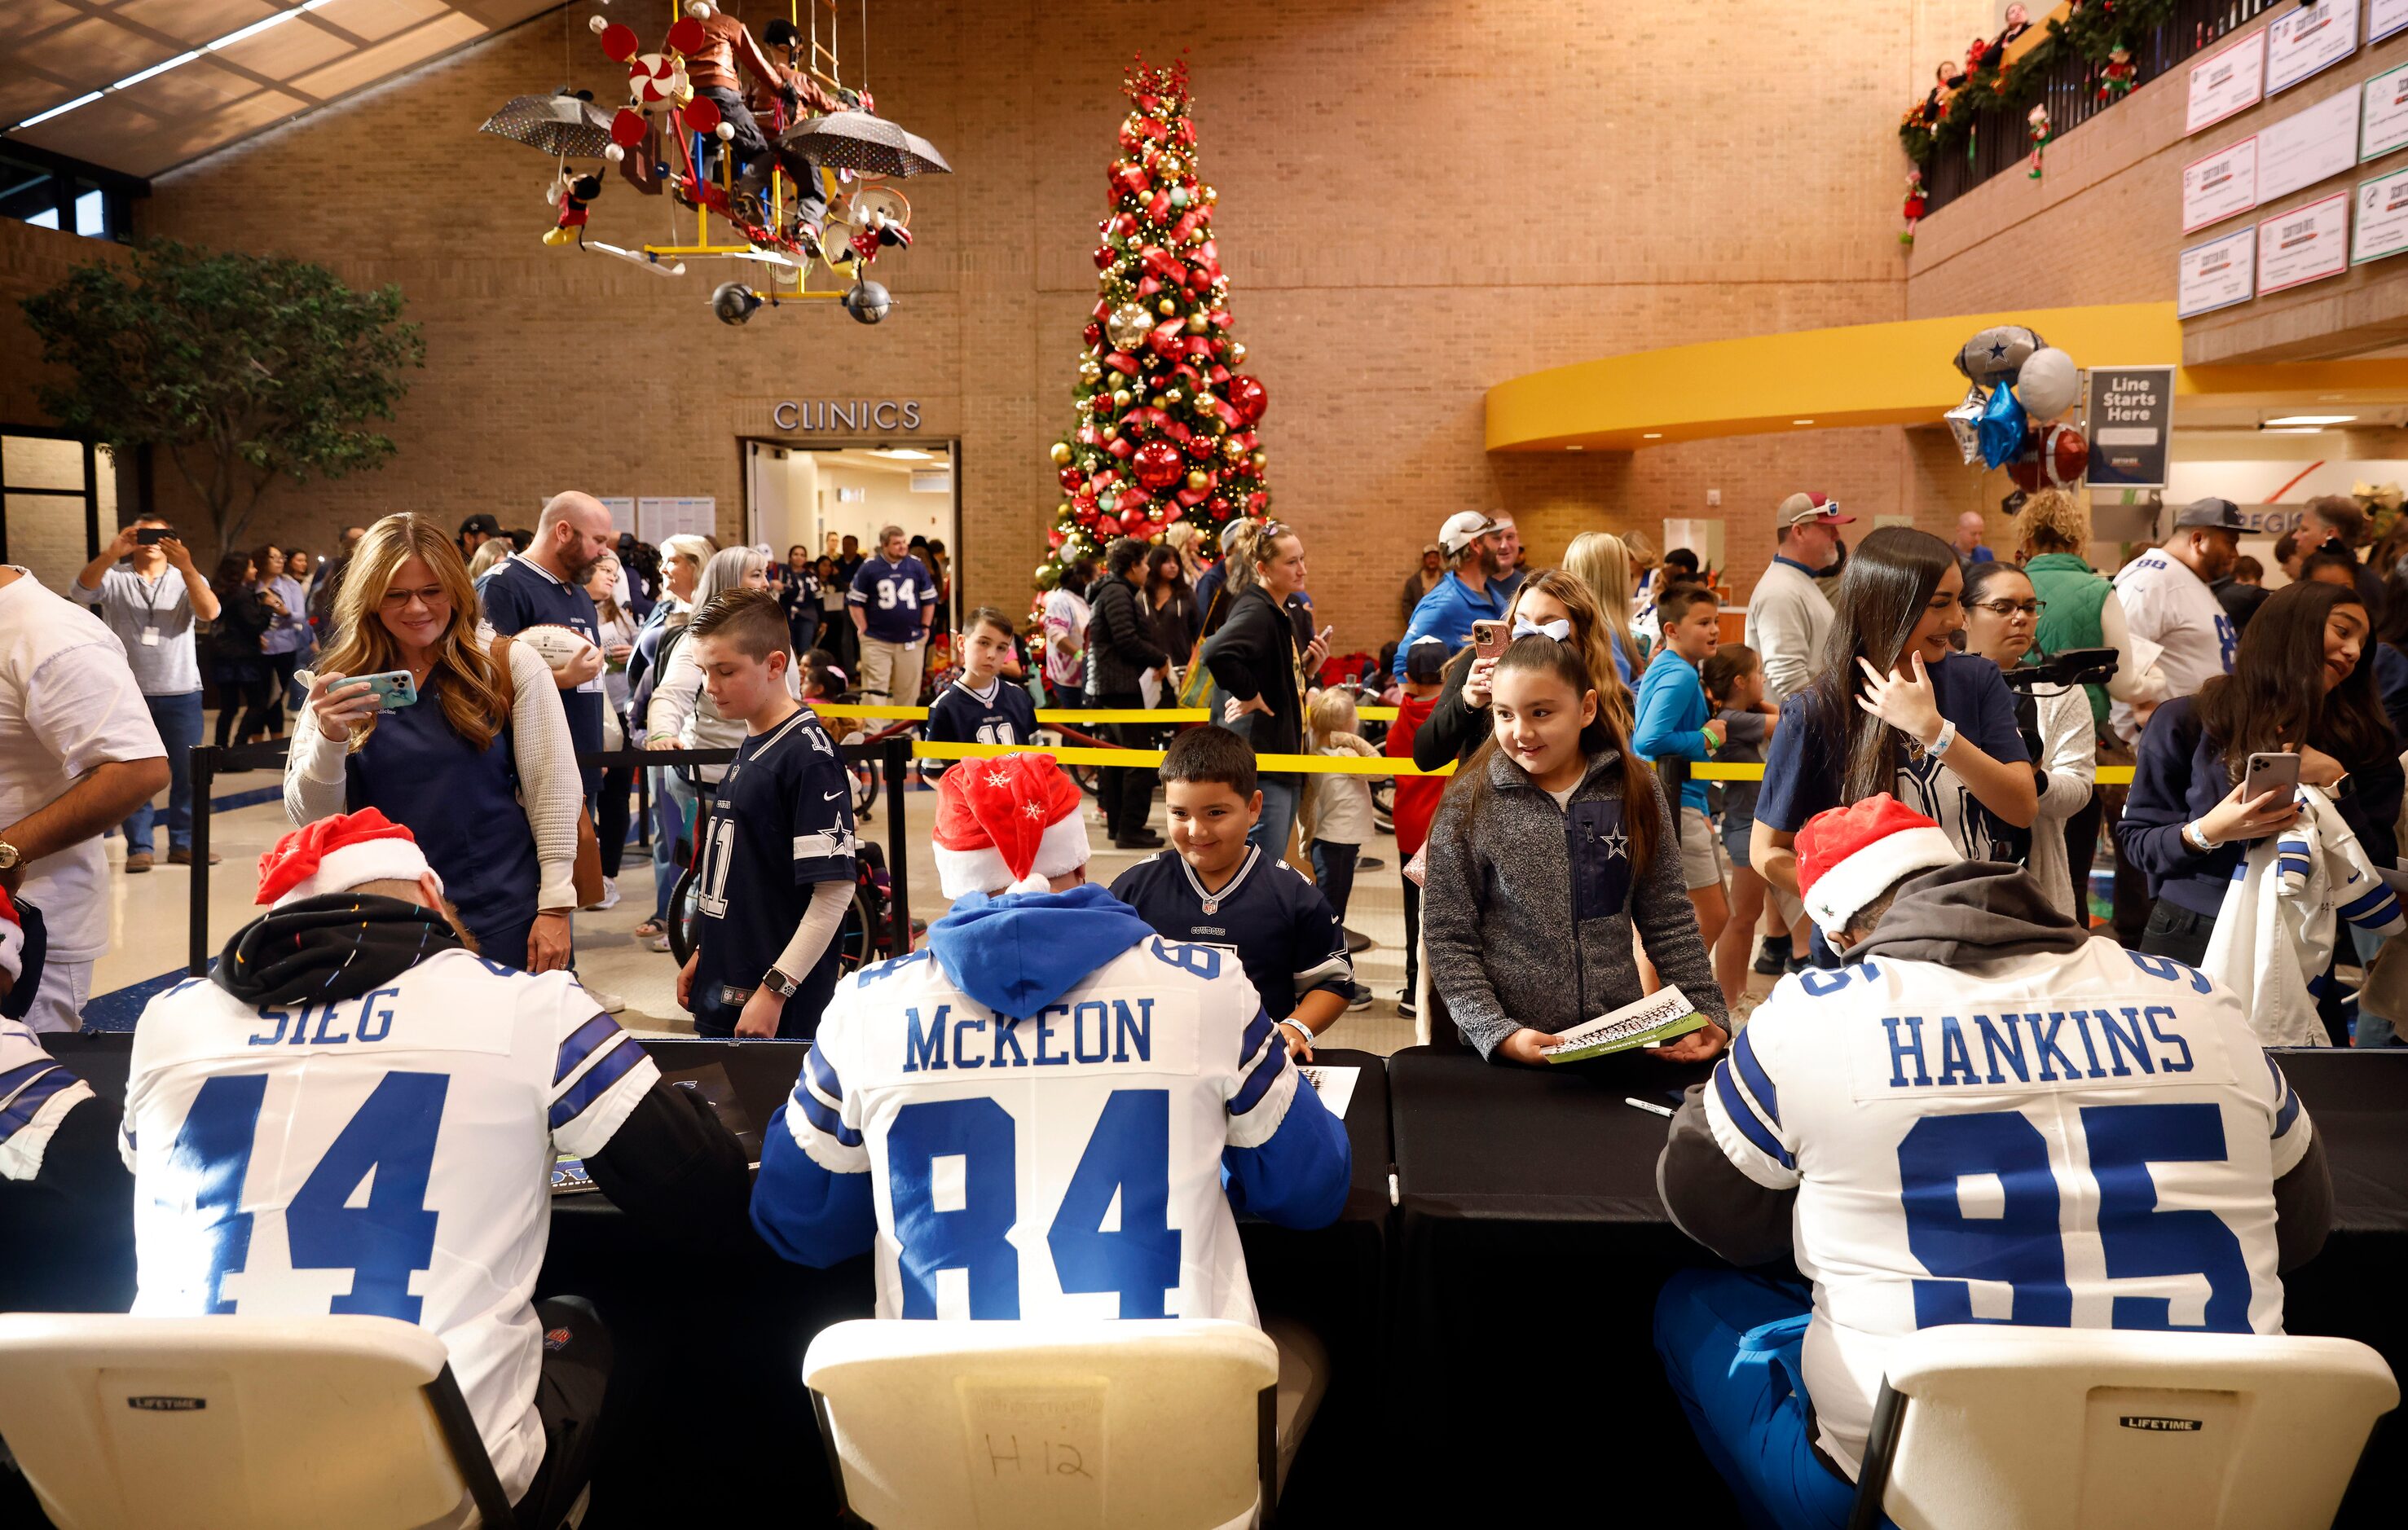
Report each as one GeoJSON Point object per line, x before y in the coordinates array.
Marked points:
{"type": "Point", "coordinates": [847, 414]}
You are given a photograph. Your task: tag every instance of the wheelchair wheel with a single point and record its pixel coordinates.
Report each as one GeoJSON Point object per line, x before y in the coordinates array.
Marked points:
{"type": "Point", "coordinates": [685, 916]}
{"type": "Point", "coordinates": [864, 789]}
{"type": "Point", "coordinates": [856, 938]}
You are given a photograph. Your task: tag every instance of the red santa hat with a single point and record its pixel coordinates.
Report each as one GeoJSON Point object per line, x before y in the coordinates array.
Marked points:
{"type": "Point", "coordinates": [337, 855]}
{"type": "Point", "coordinates": [12, 938]}
{"type": "Point", "coordinates": [1008, 824]}
{"type": "Point", "coordinates": [1850, 855]}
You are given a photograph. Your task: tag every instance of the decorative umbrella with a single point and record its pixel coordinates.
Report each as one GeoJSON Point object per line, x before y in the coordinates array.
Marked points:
{"type": "Point", "coordinates": [864, 144]}
{"type": "Point", "coordinates": [559, 125]}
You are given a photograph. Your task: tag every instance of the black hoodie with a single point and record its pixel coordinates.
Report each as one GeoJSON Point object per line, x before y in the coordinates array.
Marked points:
{"type": "Point", "coordinates": [671, 1164]}
{"type": "Point", "coordinates": [1956, 916]}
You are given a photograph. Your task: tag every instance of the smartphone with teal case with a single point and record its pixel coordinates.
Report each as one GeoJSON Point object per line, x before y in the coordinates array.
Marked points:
{"type": "Point", "coordinates": [393, 688]}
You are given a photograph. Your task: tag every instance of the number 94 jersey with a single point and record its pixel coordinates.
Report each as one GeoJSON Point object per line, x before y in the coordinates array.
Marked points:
{"type": "Point", "coordinates": [1068, 1164]}
{"type": "Point", "coordinates": [2084, 1139]}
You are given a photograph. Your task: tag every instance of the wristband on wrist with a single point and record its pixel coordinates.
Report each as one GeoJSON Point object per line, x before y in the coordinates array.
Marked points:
{"type": "Point", "coordinates": [1706, 736]}
{"type": "Point", "coordinates": [1947, 736]}
{"type": "Point", "coordinates": [2196, 838]}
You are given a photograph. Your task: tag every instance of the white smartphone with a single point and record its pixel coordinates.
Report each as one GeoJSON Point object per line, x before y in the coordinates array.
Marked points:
{"type": "Point", "coordinates": [2270, 772]}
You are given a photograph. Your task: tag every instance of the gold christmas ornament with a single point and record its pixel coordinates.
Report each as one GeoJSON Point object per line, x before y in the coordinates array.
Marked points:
{"type": "Point", "coordinates": [1120, 398]}
{"type": "Point", "coordinates": [1169, 306]}
{"type": "Point", "coordinates": [1161, 401]}
{"type": "Point", "coordinates": [1211, 195]}
{"type": "Point", "coordinates": [1128, 325]}
{"type": "Point", "coordinates": [1061, 453]}
{"type": "Point", "coordinates": [1197, 324]}
{"type": "Point", "coordinates": [1174, 395]}
{"type": "Point", "coordinates": [1261, 460]}
{"type": "Point", "coordinates": [1090, 370]}
{"type": "Point", "coordinates": [1198, 479]}
{"type": "Point", "coordinates": [1111, 433]}
{"type": "Point", "coordinates": [1233, 448]}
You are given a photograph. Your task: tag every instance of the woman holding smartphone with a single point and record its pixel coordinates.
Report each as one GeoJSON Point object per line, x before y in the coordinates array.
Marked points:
{"type": "Point", "coordinates": [2298, 686]}
{"type": "Point", "coordinates": [1262, 669]}
{"type": "Point", "coordinates": [496, 816]}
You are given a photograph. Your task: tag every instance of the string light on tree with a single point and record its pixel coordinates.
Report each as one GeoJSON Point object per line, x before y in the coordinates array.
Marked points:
{"type": "Point", "coordinates": [1163, 426]}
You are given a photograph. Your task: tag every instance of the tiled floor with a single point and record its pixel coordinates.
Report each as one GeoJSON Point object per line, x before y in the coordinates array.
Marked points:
{"type": "Point", "coordinates": [151, 914]}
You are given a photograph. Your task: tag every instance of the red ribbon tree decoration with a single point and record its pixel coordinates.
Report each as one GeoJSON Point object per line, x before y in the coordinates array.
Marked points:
{"type": "Point", "coordinates": [1164, 424]}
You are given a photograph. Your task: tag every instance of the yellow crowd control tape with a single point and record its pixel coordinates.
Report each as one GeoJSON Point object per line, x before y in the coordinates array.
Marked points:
{"type": "Point", "coordinates": [1070, 714]}
{"type": "Point", "coordinates": [2108, 775]}
{"type": "Point", "coordinates": [1317, 765]}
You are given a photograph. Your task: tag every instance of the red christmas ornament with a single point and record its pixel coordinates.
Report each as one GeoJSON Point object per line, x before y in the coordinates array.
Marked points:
{"type": "Point", "coordinates": [1072, 478]}
{"type": "Point", "coordinates": [1158, 465]}
{"type": "Point", "coordinates": [1132, 522]}
{"type": "Point", "coordinates": [1249, 397]}
{"type": "Point", "coordinates": [1105, 256]}
{"type": "Point", "coordinates": [1054, 538]}
{"type": "Point", "coordinates": [1093, 333]}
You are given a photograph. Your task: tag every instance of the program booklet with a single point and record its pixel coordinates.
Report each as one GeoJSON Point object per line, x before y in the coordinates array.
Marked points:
{"type": "Point", "coordinates": [1662, 1016]}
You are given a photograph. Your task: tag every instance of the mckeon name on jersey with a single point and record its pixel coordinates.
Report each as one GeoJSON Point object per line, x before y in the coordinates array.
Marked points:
{"type": "Point", "coordinates": [389, 1153]}
{"type": "Point", "coordinates": [2081, 1138]}
{"type": "Point", "coordinates": [1065, 1163]}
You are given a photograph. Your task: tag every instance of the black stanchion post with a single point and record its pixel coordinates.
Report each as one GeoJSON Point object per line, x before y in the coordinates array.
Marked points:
{"type": "Point", "coordinates": [898, 851]}
{"type": "Point", "coordinates": [204, 772]}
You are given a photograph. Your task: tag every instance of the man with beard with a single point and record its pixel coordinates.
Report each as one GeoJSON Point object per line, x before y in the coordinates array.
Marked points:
{"type": "Point", "coordinates": [1474, 546]}
{"type": "Point", "coordinates": [546, 585]}
{"type": "Point", "coordinates": [355, 1113]}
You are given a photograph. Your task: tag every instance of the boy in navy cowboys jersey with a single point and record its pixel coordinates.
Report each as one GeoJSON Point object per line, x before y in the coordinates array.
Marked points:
{"type": "Point", "coordinates": [981, 706]}
{"type": "Point", "coordinates": [1212, 887]}
{"type": "Point", "coordinates": [781, 823]}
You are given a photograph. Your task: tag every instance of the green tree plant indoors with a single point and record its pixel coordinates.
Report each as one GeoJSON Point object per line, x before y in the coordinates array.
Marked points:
{"type": "Point", "coordinates": [244, 369]}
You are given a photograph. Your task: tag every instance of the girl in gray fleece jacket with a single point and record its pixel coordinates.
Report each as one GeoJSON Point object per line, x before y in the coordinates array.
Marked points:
{"type": "Point", "coordinates": [1536, 876]}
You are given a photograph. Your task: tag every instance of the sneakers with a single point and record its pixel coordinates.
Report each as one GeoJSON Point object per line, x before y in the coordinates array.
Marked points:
{"type": "Point", "coordinates": [1405, 1006]}
{"type": "Point", "coordinates": [1774, 958]}
{"type": "Point", "coordinates": [185, 857]}
{"type": "Point", "coordinates": [610, 895]}
{"type": "Point", "coordinates": [612, 1003]}
{"type": "Point", "coordinates": [138, 859]}
{"type": "Point", "coordinates": [1362, 998]}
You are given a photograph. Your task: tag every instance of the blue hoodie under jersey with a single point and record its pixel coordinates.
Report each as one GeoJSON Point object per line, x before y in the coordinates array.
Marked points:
{"type": "Point", "coordinates": [1016, 954]}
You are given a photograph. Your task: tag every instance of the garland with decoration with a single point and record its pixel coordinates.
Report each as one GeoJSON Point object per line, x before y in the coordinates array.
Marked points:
{"type": "Point", "coordinates": [2095, 30]}
{"type": "Point", "coordinates": [1164, 429]}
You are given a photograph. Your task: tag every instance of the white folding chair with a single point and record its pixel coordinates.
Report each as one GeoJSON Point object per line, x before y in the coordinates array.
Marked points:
{"type": "Point", "coordinates": [1055, 1424]}
{"type": "Point", "coordinates": [249, 1424]}
{"type": "Point", "coordinates": [1979, 1426]}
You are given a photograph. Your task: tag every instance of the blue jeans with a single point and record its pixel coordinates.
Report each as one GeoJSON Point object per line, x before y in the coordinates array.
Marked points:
{"type": "Point", "coordinates": [178, 721]}
{"type": "Point", "coordinates": [1279, 796]}
{"type": "Point", "coordinates": [2373, 1030]}
{"type": "Point", "coordinates": [673, 805]}
{"type": "Point", "coordinates": [1730, 1346]}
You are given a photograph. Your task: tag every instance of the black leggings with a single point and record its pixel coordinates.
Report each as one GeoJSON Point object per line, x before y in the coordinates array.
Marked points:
{"type": "Point", "coordinates": [611, 815]}
{"type": "Point", "coordinates": [259, 702]}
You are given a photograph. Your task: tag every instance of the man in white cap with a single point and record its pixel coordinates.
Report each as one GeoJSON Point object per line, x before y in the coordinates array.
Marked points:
{"type": "Point", "coordinates": [1788, 616]}
{"type": "Point", "coordinates": [1471, 592]}
{"type": "Point", "coordinates": [66, 1202]}
{"type": "Point", "coordinates": [1979, 1120]}
{"type": "Point", "coordinates": [1050, 1112]}
{"type": "Point", "coordinates": [354, 1112]}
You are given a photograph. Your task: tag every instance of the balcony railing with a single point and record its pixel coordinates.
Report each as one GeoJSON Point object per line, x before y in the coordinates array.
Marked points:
{"type": "Point", "coordinates": [2068, 85]}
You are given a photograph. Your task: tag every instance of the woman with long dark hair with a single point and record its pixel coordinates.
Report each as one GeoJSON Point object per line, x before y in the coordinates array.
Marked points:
{"type": "Point", "coordinates": [1171, 603]}
{"type": "Point", "coordinates": [2298, 685]}
{"type": "Point", "coordinates": [1897, 709]}
{"type": "Point", "coordinates": [239, 663]}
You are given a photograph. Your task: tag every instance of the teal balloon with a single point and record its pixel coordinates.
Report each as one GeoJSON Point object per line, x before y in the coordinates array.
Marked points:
{"type": "Point", "coordinates": [2002, 426]}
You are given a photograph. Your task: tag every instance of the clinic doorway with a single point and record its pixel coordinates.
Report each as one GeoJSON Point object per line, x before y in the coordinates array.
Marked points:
{"type": "Point", "coordinates": [817, 495]}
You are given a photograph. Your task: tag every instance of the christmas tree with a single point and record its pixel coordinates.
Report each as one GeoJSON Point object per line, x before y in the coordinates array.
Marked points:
{"type": "Point", "coordinates": [1165, 428]}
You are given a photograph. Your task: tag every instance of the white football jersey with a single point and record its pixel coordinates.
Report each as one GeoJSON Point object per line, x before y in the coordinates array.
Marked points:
{"type": "Point", "coordinates": [2085, 1141]}
{"type": "Point", "coordinates": [389, 1154]}
{"type": "Point", "coordinates": [35, 1095]}
{"type": "Point", "coordinates": [2172, 607]}
{"type": "Point", "coordinates": [1125, 1092]}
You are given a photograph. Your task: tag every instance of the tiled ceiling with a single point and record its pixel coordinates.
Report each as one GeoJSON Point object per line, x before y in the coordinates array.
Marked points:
{"type": "Point", "coordinates": [58, 51]}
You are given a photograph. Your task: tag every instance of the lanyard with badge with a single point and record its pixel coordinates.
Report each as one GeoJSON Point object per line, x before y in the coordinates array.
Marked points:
{"type": "Point", "coordinates": [149, 635]}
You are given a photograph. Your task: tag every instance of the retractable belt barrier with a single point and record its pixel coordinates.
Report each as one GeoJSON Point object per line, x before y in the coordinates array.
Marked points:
{"type": "Point", "coordinates": [208, 763]}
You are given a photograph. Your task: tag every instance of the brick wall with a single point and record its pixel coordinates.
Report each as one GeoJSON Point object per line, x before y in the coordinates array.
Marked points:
{"type": "Point", "coordinates": [1417, 200]}
{"type": "Point", "coordinates": [2104, 225]}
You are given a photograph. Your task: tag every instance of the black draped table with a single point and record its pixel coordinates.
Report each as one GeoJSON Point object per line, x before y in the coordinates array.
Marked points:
{"type": "Point", "coordinates": [709, 1340]}
{"type": "Point", "coordinates": [1532, 1244]}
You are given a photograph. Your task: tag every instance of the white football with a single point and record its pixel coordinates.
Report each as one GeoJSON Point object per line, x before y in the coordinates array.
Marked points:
{"type": "Point", "coordinates": [559, 645]}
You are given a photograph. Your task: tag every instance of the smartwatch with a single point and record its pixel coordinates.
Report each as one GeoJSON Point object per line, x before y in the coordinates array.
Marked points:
{"type": "Point", "coordinates": [778, 983]}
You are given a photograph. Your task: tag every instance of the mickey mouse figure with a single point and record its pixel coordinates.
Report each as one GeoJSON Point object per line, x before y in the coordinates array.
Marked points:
{"type": "Point", "coordinates": [572, 192]}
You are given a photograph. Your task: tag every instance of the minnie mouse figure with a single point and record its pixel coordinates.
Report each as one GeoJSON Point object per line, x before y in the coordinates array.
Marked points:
{"type": "Point", "coordinates": [1914, 208]}
{"type": "Point", "coordinates": [572, 192]}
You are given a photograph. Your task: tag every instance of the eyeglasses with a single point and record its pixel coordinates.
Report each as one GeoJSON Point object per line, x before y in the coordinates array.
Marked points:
{"type": "Point", "coordinates": [2012, 607]}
